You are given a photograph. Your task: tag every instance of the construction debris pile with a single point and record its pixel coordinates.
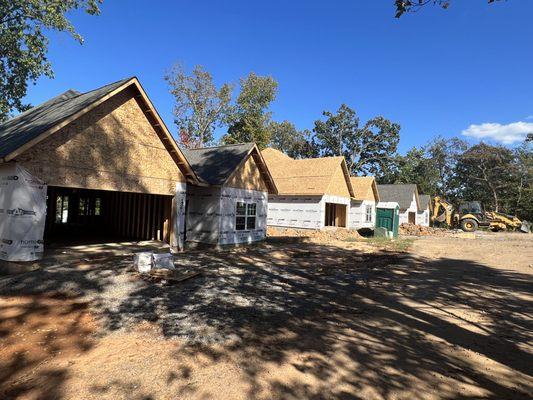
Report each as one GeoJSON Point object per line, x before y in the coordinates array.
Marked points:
{"type": "Point", "coordinates": [322, 236]}
{"type": "Point", "coordinates": [417, 230]}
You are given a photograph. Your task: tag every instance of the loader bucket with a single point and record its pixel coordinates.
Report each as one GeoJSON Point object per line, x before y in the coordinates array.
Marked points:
{"type": "Point", "coordinates": [525, 227]}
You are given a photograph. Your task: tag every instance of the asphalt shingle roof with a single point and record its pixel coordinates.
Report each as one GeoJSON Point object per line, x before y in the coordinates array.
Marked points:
{"type": "Point", "coordinates": [401, 194]}
{"type": "Point", "coordinates": [424, 200]}
{"type": "Point", "coordinates": [28, 125]}
{"type": "Point", "coordinates": [214, 165]}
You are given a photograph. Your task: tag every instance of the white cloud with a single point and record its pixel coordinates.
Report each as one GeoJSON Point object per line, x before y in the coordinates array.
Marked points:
{"type": "Point", "coordinates": [529, 117]}
{"type": "Point", "coordinates": [506, 134]}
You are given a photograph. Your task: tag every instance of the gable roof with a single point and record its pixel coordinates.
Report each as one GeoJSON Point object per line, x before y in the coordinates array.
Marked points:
{"type": "Point", "coordinates": [215, 165]}
{"type": "Point", "coordinates": [425, 201]}
{"type": "Point", "coordinates": [309, 176]}
{"type": "Point", "coordinates": [365, 188]}
{"type": "Point", "coordinates": [30, 124]}
{"type": "Point", "coordinates": [400, 193]}
{"type": "Point", "coordinates": [36, 124]}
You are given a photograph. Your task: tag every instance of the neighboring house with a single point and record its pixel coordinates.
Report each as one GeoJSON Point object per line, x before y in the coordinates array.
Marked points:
{"type": "Point", "coordinates": [110, 165]}
{"type": "Point", "coordinates": [230, 204]}
{"type": "Point", "coordinates": [423, 215]}
{"type": "Point", "coordinates": [363, 206]}
{"type": "Point", "coordinates": [406, 195]}
{"type": "Point", "coordinates": [312, 193]}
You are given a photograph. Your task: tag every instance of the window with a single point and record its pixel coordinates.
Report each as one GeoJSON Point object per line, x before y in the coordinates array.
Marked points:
{"type": "Point", "coordinates": [250, 215]}
{"type": "Point", "coordinates": [90, 206]}
{"type": "Point", "coordinates": [61, 209]}
{"type": "Point", "coordinates": [97, 206]}
{"type": "Point", "coordinates": [84, 206]}
{"type": "Point", "coordinates": [368, 213]}
{"type": "Point", "coordinates": [245, 216]}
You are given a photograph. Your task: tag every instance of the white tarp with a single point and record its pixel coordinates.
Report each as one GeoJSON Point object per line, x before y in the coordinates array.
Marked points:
{"type": "Point", "coordinates": [22, 214]}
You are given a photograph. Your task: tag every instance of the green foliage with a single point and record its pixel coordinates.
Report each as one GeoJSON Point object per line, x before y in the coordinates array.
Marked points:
{"type": "Point", "coordinates": [337, 131]}
{"type": "Point", "coordinates": [199, 106]}
{"type": "Point", "coordinates": [417, 167]}
{"type": "Point", "coordinates": [499, 177]}
{"type": "Point", "coordinates": [296, 144]}
{"type": "Point", "coordinates": [444, 154]}
{"type": "Point", "coordinates": [432, 167]}
{"type": "Point", "coordinates": [367, 149]}
{"type": "Point", "coordinates": [250, 119]}
{"type": "Point", "coordinates": [522, 197]}
{"type": "Point", "coordinates": [24, 45]}
{"type": "Point", "coordinates": [486, 174]}
{"type": "Point", "coordinates": [406, 6]}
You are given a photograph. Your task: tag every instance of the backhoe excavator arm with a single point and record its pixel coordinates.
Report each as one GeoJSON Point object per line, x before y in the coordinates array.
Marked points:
{"type": "Point", "coordinates": [442, 211]}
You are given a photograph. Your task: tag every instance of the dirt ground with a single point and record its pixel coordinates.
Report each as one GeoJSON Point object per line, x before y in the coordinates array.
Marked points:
{"type": "Point", "coordinates": [449, 318]}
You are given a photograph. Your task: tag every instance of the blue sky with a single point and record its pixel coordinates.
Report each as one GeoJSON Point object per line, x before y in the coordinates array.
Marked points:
{"type": "Point", "coordinates": [434, 72]}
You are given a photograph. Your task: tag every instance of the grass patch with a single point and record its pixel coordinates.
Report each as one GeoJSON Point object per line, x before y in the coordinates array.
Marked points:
{"type": "Point", "coordinates": [352, 239]}
{"type": "Point", "coordinates": [400, 244]}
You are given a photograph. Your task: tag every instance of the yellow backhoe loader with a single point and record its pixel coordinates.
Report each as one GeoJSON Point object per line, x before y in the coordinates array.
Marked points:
{"type": "Point", "coordinates": [470, 216]}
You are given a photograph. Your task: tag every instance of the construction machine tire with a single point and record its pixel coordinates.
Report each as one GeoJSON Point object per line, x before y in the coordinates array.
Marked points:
{"type": "Point", "coordinates": [469, 225]}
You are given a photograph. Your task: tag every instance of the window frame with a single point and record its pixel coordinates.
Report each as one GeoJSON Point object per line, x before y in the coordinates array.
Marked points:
{"type": "Point", "coordinates": [244, 217]}
{"type": "Point", "coordinates": [368, 213]}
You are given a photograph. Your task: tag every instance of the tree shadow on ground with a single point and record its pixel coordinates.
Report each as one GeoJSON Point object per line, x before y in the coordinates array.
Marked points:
{"type": "Point", "coordinates": [388, 321]}
{"type": "Point", "coordinates": [355, 325]}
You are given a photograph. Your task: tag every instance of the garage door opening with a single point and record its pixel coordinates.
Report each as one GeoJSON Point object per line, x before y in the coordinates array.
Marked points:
{"type": "Point", "coordinates": [335, 215]}
{"type": "Point", "coordinates": [98, 216]}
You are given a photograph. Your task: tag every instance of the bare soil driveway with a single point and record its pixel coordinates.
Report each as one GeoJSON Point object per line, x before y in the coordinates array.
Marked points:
{"type": "Point", "coordinates": [449, 318]}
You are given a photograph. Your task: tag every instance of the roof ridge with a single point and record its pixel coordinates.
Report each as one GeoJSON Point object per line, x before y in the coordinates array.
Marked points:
{"type": "Point", "coordinates": [219, 146]}
{"type": "Point", "coordinates": [58, 100]}
{"type": "Point", "coordinates": [109, 84]}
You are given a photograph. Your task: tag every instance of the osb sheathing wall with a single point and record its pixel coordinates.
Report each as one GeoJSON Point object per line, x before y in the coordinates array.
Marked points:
{"type": "Point", "coordinates": [112, 147]}
{"type": "Point", "coordinates": [338, 185]}
{"type": "Point", "coordinates": [247, 176]}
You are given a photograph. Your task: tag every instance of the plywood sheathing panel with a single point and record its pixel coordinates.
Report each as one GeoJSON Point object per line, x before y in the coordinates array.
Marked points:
{"type": "Point", "coordinates": [337, 185]}
{"type": "Point", "coordinates": [365, 188]}
{"type": "Point", "coordinates": [247, 176]}
{"type": "Point", "coordinates": [311, 176]}
{"type": "Point", "coordinates": [112, 147]}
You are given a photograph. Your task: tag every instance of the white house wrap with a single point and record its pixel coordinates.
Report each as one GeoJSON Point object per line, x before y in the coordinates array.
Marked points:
{"type": "Point", "coordinates": [363, 206]}
{"type": "Point", "coordinates": [22, 214]}
{"type": "Point", "coordinates": [230, 206]}
{"type": "Point", "coordinates": [313, 193]}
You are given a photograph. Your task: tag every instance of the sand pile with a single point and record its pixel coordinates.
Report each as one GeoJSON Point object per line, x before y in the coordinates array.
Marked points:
{"type": "Point", "coordinates": [323, 236]}
{"type": "Point", "coordinates": [417, 230]}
